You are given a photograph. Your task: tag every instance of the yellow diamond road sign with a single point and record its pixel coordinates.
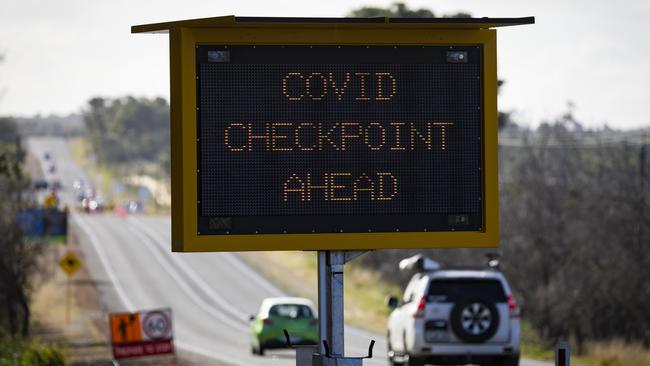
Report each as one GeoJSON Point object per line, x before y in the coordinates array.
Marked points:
{"type": "Point", "coordinates": [70, 263]}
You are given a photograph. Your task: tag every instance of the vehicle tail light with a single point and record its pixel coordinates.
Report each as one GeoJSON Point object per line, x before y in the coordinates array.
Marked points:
{"type": "Point", "coordinates": [420, 311]}
{"type": "Point", "coordinates": [313, 322]}
{"type": "Point", "coordinates": [512, 304]}
{"type": "Point", "coordinates": [267, 321]}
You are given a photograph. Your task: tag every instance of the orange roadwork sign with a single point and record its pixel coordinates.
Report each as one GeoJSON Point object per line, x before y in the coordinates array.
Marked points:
{"type": "Point", "coordinates": [126, 328]}
{"type": "Point", "coordinates": [142, 333]}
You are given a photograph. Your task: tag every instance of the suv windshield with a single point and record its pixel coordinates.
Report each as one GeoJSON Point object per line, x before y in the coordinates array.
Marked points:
{"type": "Point", "coordinates": [291, 311]}
{"type": "Point", "coordinates": [453, 290]}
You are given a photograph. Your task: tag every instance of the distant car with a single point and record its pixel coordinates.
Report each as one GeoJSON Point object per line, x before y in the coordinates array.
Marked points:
{"type": "Point", "coordinates": [56, 185]}
{"type": "Point", "coordinates": [133, 206]}
{"type": "Point", "coordinates": [46, 155]}
{"type": "Point", "coordinates": [454, 317]}
{"type": "Point", "coordinates": [40, 184]}
{"type": "Point", "coordinates": [78, 184]}
{"type": "Point", "coordinates": [294, 314]}
{"type": "Point", "coordinates": [51, 168]}
{"type": "Point", "coordinates": [92, 204]}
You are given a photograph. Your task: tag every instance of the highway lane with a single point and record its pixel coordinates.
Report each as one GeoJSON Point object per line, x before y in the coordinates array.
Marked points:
{"type": "Point", "coordinates": [211, 294]}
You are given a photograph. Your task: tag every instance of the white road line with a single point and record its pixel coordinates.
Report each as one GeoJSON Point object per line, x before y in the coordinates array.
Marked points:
{"type": "Point", "coordinates": [182, 283]}
{"type": "Point", "coordinates": [192, 274]}
{"type": "Point", "coordinates": [258, 278]}
{"type": "Point", "coordinates": [253, 275]}
{"type": "Point", "coordinates": [207, 353]}
{"type": "Point", "coordinates": [102, 257]}
{"type": "Point", "coordinates": [129, 305]}
{"type": "Point", "coordinates": [235, 261]}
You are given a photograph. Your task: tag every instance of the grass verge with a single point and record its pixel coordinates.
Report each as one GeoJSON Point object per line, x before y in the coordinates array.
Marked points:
{"type": "Point", "coordinates": [365, 293]}
{"type": "Point", "coordinates": [28, 353]}
{"type": "Point", "coordinates": [295, 272]}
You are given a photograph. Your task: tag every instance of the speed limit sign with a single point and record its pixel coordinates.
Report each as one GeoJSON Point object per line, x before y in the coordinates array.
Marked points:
{"type": "Point", "coordinates": [157, 324]}
{"type": "Point", "coordinates": [143, 333]}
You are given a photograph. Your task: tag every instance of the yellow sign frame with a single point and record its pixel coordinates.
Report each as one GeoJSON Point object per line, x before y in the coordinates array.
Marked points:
{"type": "Point", "coordinates": [186, 35]}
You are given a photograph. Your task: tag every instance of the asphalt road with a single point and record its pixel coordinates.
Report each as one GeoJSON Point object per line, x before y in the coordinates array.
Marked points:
{"type": "Point", "coordinates": [211, 294]}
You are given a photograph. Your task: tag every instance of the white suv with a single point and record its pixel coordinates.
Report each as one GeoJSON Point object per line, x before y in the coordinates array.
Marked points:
{"type": "Point", "coordinates": [454, 317]}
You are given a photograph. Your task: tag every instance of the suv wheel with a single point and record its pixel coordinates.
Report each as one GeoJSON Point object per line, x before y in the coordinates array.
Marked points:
{"type": "Point", "coordinates": [474, 320]}
{"type": "Point", "coordinates": [391, 354]}
{"type": "Point", "coordinates": [510, 361]}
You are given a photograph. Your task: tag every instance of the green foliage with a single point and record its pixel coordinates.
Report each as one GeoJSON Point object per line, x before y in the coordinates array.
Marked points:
{"type": "Point", "coordinates": [11, 153]}
{"type": "Point", "coordinates": [17, 258]}
{"type": "Point", "coordinates": [52, 125]}
{"type": "Point", "coordinates": [127, 130]}
{"type": "Point", "coordinates": [26, 353]}
{"type": "Point", "coordinates": [400, 10]}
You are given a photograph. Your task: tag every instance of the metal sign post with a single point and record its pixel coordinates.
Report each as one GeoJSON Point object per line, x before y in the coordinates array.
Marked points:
{"type": "Point", "coordinates": [70, 264]}
{"type": "Point", "coordinates": [562, 354]}
{"type": "Point", "coordinates": [330, 309]}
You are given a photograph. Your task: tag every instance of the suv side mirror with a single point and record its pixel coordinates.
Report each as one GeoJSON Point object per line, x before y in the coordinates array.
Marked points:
{"type": "Point", "coordinates": [251, 318]}
{"type": "Point", "coordinates": [392, 302]}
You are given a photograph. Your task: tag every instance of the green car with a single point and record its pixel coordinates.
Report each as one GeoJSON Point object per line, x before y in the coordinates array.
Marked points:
{"type": "Point", "coordinates": [276, 314]}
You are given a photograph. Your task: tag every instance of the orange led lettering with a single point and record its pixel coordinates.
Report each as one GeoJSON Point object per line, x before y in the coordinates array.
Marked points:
{"type": "Point", "coordinates": [342, 186]}
{"type": "Point", "coordinates": [266, 137]}
{"type": "Point", "coordinates": [381, 89]}
{"type": "Point", "coordinates": [383, 178]}
{"type": "Point", "coordinates": [334, 187]}
{"type": "Point", "coordinates": [362, 85]}
{"type": "Point", "coordinates": [309, 88]}
{"type": "Point", "coordinates": [346, 134]}
{"type": "Point", "coordinates": [415, 134]}
{"type": "Point", "coordinates": [326, 136]}
{"type": "Point", "coordinates": [275, 136]}
{"type": "Point", "coordinates": [363, 184]}
{"type": "Point", "coordinates": [285, 87]}
{"type": "Point", "coordinates": [324, 187]}
{"type": "Point", "coordinates": [338, 91]}
{"type": "Point", "coordinates": [382, 136]}
{"type": "Point", "coordinates": [294, 185]}
{"type": "Point", "coordinates": [398, 146]}
{"type": "Point", "coordinates": [298, 137]}
{"type": "Point", "coordinates": [226, 137]}
{"type": "Point", "coordinates": [443, 138]}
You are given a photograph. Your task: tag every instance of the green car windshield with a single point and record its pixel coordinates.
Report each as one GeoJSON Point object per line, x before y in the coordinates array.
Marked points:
{"type": "Point", "coordinates": [291, 311]}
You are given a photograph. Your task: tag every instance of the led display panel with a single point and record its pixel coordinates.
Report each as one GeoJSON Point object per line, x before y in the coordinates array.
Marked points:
{"type": "Point", "coordinates": [339, 139]}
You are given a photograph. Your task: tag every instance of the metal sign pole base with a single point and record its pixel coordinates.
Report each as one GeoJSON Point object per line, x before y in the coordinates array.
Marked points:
{"type": "Point", "coordinates": [330, 310]}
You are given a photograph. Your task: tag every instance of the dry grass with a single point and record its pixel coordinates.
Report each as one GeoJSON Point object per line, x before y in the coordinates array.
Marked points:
{"type": "Point", "coordinates": [616, 353]}
{"type": "Point", "coordinates": [295, 272]}
{"type": "Point", "coordinates": [85, 340]}
{"type": "Point", "coordinates": [365, 293]}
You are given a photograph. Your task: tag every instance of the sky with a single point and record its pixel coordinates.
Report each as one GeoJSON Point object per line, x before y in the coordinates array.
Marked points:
{"type": "Point", "coordinates": [592, 53]}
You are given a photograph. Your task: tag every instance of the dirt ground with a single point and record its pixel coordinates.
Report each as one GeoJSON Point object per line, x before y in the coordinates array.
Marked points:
{"type": "Point", "coordinates": [85, 338]}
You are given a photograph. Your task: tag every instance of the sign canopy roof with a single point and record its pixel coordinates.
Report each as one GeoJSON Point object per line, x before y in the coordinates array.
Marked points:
{"type": "Point", "coordinates": [378, 22]}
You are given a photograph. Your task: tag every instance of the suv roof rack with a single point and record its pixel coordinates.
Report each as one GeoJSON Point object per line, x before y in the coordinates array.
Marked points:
{"type": "Point", "coordinates": [419, 263]}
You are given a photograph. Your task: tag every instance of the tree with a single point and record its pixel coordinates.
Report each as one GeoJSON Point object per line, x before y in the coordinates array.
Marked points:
{"type": "Point", "coordinates": [575, 226]}
{"type": "Point", "coordinates": [17, 256]}
{"type": "Point", "coordinates": [129, 130]}
{"type": "Point", "coordinates": [400, 10]}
